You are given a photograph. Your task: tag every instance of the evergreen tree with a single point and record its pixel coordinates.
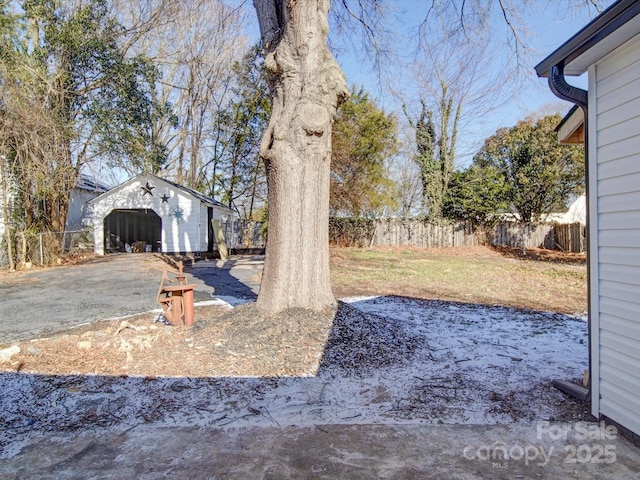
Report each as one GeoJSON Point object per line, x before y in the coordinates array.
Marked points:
{"type": "Point", "coordinates": [364, 137]}
{"type": "Point", "coordinates": [477, 195]}
{"type": "Point", "coordinates": [70, 94]}
{"type": "Point", "coordinates": [540, 174]}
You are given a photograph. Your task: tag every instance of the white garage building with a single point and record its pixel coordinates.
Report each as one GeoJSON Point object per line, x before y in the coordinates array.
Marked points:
{"type": "Point", "coordinates": [148, 213]}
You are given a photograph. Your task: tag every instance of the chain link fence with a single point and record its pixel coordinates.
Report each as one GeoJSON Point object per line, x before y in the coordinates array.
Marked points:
{"type": "Point", "coordinates": [4, 257]}
{"type": "Point", "coordinates": [45, 248]}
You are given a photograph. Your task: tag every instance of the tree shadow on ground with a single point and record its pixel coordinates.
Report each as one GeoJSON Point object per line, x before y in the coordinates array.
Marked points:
{"type": "Point", "coordinates": [227, 281]}
{"type": "Point", "coordinates": [542, 255]}
{"type": "Point", "coordinates": [413, 361]}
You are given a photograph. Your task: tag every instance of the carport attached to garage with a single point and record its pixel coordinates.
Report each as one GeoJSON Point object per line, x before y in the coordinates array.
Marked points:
{"type": "Point", "coordinates": [127, 226]}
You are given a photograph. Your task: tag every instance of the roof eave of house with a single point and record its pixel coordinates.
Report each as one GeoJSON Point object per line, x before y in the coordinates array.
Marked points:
{"type": "Point", "coordinates": [567, 118]}
{"type": "Point", "coordinates": [569, 128]}
{"type": "Point", "coordinates": [607, 31]}
{"type": "Point", "coordinates": [91, 184]}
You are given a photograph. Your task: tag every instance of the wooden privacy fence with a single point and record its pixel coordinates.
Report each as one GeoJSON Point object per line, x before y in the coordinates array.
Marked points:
{"type": "Point", "coordinates": [554, 236]}
{"type": "Point", "coordinates": [424, 235]}
{"type": "Point", "coordinates": [415, 233]}
{"type": "Point", "coordinates": [570, 237]}
{"type": "Point", "coordinates": [243, 233]}
{"type": "Point", "coordinates": [509, 234]}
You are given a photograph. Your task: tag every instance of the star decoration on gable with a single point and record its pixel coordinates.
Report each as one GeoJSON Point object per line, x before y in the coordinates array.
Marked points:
{"type": "Point", "coordinates": [146, 189]}
{"type": "Point", "coordinates": [165, 198]}
{"type": "Point", "coordinates": [177, 214]}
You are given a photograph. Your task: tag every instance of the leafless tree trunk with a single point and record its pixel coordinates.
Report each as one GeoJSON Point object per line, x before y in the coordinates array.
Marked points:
{"type": "Point", "coordinates": [194, 44]}
{"type": "Point", "coordinates": [406, 175]}
{"type": "Point", "coordinates": [5, 213]}
{"type": "Point", "coordinates": [307, 86]}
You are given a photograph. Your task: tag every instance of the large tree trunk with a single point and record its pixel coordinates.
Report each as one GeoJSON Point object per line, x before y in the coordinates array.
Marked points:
{"type": "Point", "coordinates": [307, 86]}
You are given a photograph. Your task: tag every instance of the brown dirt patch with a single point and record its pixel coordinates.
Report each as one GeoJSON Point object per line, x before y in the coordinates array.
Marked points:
{"type": "Point", "coordinates": [223, 342]}
{"type": "Point", "coordinates": [543, 255]}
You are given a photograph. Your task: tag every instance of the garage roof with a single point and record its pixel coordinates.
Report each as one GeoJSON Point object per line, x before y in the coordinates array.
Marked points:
{"type": "Point", "coordinates": [201, 197]}
{"type": "Point", "coordinates": [195, 193]}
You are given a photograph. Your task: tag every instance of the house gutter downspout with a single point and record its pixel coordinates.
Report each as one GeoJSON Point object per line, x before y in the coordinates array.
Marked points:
{"type": "Point", "coordinates": [563, 90]}
{"type": "Point", "coordinates": [560, 87]}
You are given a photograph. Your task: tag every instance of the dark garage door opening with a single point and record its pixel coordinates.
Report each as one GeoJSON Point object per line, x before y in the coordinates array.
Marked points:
{"type": "Point", "coordinates": [139, 228]}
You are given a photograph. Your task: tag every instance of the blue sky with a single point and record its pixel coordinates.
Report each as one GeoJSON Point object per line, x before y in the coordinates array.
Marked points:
{"type": "Point", "coordinates": [549, 23]}
{"type": "Point", "coordinates": [547, 29]}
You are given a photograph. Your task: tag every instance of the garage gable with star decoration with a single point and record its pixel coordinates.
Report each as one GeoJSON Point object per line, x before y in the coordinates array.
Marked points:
{"type": "Point", "coordinates": [150, 214]}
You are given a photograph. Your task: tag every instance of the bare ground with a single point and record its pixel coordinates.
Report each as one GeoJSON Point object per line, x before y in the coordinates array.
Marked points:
{"type": "Point", "coordinates": [235, 368]}
{"type": "Point", "coordinates": [223, 343]}
{"type": "Point", "coordinates": [243, 342]}
{"type": "Point", "coordinates": [227, 344]}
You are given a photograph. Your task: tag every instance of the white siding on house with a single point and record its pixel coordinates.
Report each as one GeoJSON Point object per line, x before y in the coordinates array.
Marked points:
{"type": "Point", "coordinates": [77, 200]}
{"type": "Point", "coordinates": [615, 256]}
{"type": "Point", "coordinates": [615, 125]}
{"type": "Point", "coordinates": [620, 291]}
{"type": "Point", "coordinates": [620, 163]}
{"type": "Point", "coordinates": [614, 219]}
{"type": "Point", "coordinates": [620, 149]}
{"type": "Point", "coordinates": [617, 203]}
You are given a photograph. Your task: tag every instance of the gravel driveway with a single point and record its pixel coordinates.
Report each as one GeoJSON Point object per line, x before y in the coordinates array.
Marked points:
{"type": "Point", "coordinates": [44, 301]}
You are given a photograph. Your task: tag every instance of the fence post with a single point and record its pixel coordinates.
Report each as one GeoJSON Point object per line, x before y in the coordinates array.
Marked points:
{"type": "Point", "coordinates": [41, 249]}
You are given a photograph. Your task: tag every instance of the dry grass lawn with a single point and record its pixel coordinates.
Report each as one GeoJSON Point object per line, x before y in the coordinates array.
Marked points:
{"type": "Point", "coordinates": [542, 280]}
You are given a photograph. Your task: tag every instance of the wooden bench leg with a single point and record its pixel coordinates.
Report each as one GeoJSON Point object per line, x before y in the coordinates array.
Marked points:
{"type": "Point", "coordinates": [178, 310]}
{"type": "Point", "coordinates": [173, 309]}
